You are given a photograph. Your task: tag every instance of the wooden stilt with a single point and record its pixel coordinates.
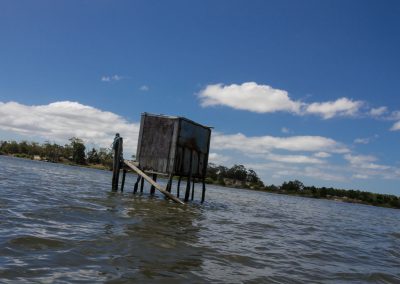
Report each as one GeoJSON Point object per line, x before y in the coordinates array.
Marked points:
{"type": "Point", "coordinates": [203, 193]}
{"type": "Point", "coordinates": [153, 189]}
{"type": "Point", "coordinates": [169, 184]}
{"type": "Point", "coordinates": [117, 161]}
{"type": "Point", "coordinates": [178, 187]}
{"type": "Point", "coordinates": [194, 181]}
{"type": "Point", "coordinates": [141, 185]}
{"type": "Point", "coordinates": [135, 188]}
{"type": "Point", "coordinates": [189, 178]}
{"type": "Point", "coordinates": [123, 179]}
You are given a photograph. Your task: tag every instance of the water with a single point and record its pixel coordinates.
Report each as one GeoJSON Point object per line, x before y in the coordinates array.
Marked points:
{"type": "Point", "coordinates": [62, 224]}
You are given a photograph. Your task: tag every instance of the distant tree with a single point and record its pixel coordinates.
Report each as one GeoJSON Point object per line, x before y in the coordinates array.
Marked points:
{"type": "Point", "coordinates": [212, 171]}
{"type": "Point", "coordinates": [252, 176]}
{"type": "Point", "coordinates": [78, 150]}
{"type": "Point", "coordinates": [106, 157]}
{"type": "Point", "coordinates": [93, 156]}
{"type": "Point", "coordinates": [237, 172]}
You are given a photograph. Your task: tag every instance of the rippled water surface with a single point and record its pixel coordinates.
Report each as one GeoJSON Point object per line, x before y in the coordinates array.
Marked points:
{"type": "Point", "coordinates": [62, 224]}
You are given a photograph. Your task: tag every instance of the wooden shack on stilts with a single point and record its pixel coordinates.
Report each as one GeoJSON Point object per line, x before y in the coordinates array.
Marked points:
{"type": "Point", "coordinates": [168, 146]}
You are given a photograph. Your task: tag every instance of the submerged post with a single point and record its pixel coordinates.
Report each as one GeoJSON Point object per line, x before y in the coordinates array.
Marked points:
{"type": "Point", "coordinates": [203, 193]}
{"type": "Point", "coordinates": [117, 160]}
{"type": "Point", "coordinates": [178, 186]}
{"type": "Point", "coordinates": [189, 177]}
{"type": "Point", "coordinates": [135, 188]}
{"type": "Point", "coordinates": [141, 185]}
{"type": "Point", "coordinates": [194, 181]}
{"type": "Point", "coordinates": [123, 179]}
{"type": "Point", "coordinates": [153, 189]}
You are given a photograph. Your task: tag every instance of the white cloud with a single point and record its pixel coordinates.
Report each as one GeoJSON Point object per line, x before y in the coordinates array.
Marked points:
{"type": "Point", "coordinates": [264, 144]}
{"type": "Point", "coordinates": [260, 98]}
{"type": "Point", "coordinates": [340, 107]}
{"type": "Point", "coordinates": [378, 111]}
{"type": "Point", "coordinates": [249, 96]}
{"type": "Point", "coordinates": [217, 158]}
{"type": "Point", "coordinates": [60, 121]}
{"type": "Point", "coordinates": [294, 159]}
{"type": "Point", "coordinates": [322, 155]}
{"type": "Point", "coordinates": [364, 162]}
{"type": "Point", "coordinates": [362, 140]}
{"type": "Point", "coordinates": [144, 88]}
{"type": "Point", "coordinates": [360, 176]}
{"type": "Point", "coordinates": [395, 126]}
{"type": "Point", "coordinates": [112, 78]}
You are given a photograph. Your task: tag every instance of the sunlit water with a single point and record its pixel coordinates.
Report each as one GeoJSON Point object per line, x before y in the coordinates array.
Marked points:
{"type": "Point", "coordinates": [62, 224]}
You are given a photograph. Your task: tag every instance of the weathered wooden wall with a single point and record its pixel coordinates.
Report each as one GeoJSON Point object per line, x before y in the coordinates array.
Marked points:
{"type": "Point", "coordinates": [168, 144]}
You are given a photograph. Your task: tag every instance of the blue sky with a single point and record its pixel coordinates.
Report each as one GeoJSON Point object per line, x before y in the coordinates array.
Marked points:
{"type": "Point", "coordinates": [294, 89]}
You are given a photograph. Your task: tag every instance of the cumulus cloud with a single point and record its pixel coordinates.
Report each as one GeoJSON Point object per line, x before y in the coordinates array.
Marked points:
{"type": "Point", "coordinates": [260, 98]}
{"type": "Point", "coordinates": [249, 96]}
{"type": "Point", "coordinates": [322, 155]}
{"type": "Point", "coordinates": [294, 159]}
{"type": "Point", "coordinates": [340, 107]}
{"type": "Point", "coordinates": [362, 140]}
{"type": "Point", "coordinates": [217, 158]}
{"type": "Point", "coordinates": [60, 121]}
{"type": "Point", "coordinates": [112, 78]}
{"type": "Point", "coordinates": [364, 162]}
{"type": "Point", "coordinates": [378, 111]}
{"type": "Point", "coordinates": [395, 126]}
{"type": "Point", "coordinates": [264, 144]}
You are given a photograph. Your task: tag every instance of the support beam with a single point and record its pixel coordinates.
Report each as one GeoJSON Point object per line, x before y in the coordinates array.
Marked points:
{"type": "Point", "coordinates": [141, 185]}
{"type": "Point", "coordinates": [169, 184]}
{"type": "Point", "coordinates": [189, 177]}
{"type": "Point", "coordinates": [203, 193]}
{"type": "Point", "coordinates": [178, 187]}
{"type": "Point", "coordinates": [123, 179]}
{"type": "Point", "coordinates": [135, 188]}
{"type": "Point", "coordinates": [193, 183]}
{"type": "Point", "coordinates": [117, 161]}
{"type": "Point", "coordinates": [153, 189]}
{"type": "Point", "coordinates": [152, 182]}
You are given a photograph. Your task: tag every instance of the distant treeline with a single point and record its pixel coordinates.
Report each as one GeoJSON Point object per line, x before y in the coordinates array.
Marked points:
{"type": "Point", "coordinates": [236, 176]}
{"type": "Point", "coordinates": [74, 152]}
{"type": "Point", "coordinates": [356, 196]}
{"type": "Point", "coordinates": [239, 176]}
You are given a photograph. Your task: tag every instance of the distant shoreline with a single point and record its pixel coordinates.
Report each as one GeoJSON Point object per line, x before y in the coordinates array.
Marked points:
{"type": "Point", "coordinates": [234, 184]}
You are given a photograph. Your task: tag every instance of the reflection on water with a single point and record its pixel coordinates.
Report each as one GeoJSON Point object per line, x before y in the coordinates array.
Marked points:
{"type": "Point", "coordinates": [62, 223]}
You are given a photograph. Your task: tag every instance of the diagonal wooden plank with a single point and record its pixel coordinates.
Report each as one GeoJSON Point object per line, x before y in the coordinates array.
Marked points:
{"type": "Point", "coordinates": [152, 182]}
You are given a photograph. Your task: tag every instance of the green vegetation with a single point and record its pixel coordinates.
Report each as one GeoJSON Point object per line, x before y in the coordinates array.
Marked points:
{"type": "Point", "coordinates": [72, 153]}
{"type": "Point", "coordinates": [237, 176]}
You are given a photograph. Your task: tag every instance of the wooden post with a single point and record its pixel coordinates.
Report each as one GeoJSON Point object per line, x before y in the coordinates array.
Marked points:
{"type": "Point", "coordinates": [123, 179]}
{"type": "Point", "coordinates": [117, 161]}
{"type": "Point", "coordinates": [169, 184]}
{"type": "Point", "coordinates": [141, 185]}
{"type": "Point", "coordinates": [203, 193]}
{"type": "Point", "coordinates": [153, 189]}
{"type": "Point", "coordinates": [189, 177]}
{"type": "Point", "coordinates": [178, 187]}
{"type": "Point", "coordinates": [135, 188]}
{"type": "Point", "coordinates": [194, 181]}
